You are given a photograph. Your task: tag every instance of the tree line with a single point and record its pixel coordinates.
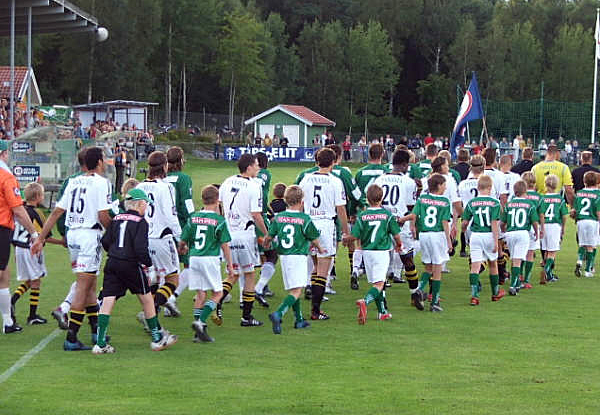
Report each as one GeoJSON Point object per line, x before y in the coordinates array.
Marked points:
{"type": "Point", "coordinates": [389, 65]}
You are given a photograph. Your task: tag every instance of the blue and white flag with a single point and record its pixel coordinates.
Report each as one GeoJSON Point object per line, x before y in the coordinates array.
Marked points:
{"type": "Point", "coordinates": [470, 110]}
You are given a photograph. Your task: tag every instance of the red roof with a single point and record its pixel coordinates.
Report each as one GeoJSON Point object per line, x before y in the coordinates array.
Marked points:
{"type": "Point", "coordinates": [20, 74]}
{"type": "Point", "coordinates": [309, 115]}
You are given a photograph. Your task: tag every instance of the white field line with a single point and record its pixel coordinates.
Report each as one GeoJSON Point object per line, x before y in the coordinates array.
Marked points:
{"type": "Point", "coordinates": [27, 357]}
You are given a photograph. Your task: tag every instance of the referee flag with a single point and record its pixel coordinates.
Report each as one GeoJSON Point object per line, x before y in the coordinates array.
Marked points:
{"type": "Point", "coordinates": [470, 110]}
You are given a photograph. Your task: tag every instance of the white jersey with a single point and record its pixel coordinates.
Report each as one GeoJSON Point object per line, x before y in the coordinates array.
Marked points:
{"type": "Point", "coordinates": [162, 214]}
{"type": "Point", "coordinates": [451, 188]}
{"type": "Point", "coordinates": [83, 198]}
{"type": "Point", "coordinates": [322, 193]}
{"type": "Point", "coordinates": [510, 179]}
{"type": "Point", "coordinates": [240, 196]}
{"type": "Point", "coordinates": [399, 192]}
{"type": "Point", "coordinates": [498, 180]}
{"type": "Point", "coordinates": [467, 189]}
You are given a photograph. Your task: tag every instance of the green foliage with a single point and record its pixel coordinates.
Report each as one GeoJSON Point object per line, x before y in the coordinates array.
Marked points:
{"type": "Point", "coordinates": [438, 105]}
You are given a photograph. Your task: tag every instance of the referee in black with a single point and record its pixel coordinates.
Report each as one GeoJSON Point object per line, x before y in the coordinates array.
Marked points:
{"type": "Point", "coordinates": [126, 241]}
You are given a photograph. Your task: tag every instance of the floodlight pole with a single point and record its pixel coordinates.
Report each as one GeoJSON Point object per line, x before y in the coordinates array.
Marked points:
{"type": "Point", "coordinates": [29, 70]}
{"type": "Point", "coordinates": [12, 69]}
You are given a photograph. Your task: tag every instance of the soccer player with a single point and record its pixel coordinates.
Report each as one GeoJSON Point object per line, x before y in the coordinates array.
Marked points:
{"type": "Point", "coordinates": [554, 209]}
{"type": "Point", "coordinates": [432, 215]}
{"type": "Point", "coordinates": [489, 154]}
{"type": "Point", "coordinates": [510, 178]}
{"type": "Point", "coordinates": [534, 243]}
{"type": "Point", "coordinates": [295, 231]}
{"type": "Point", "coordinates": [552, 165]}
{"type": "Point", "coordinates": [586, 212]}
{"type": "Point", "coordinates": [87, 200]}
{"type": "Point", "coordinates": [482, 215]}
{"type": "Point", "coordinates": [30, 269]}
{"type": "Point", "coordinates": [324, 198]}
{"type": "Point", "coordinates": [184, 203]}
{"type": "Point", "coordinates": [241, 199]}
{"type": "Point", "coordinates": [163, 230]}
{"type": "Point", "coordinates": [278, 204]}
{"type": "Point", "coordinates": [431, 152]}
{"type": "Point", "coordinates": [126, 241]}
{"type": "Point", "coordinates": [204, 235]}
{"type": "Point", "coordinates": [467, 190]}
{"type": "Point", "coordinates": [518, 216]}
{"type": "Point", "coordinates": [373, 229]}
{"type": "Point", "coordinates": [399, 197]}
{"type": "Point", "coordinates": [455, 174]}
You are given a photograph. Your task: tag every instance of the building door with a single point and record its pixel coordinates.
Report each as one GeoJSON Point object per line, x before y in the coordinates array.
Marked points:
{"type": "Point", "coordinates": [265, 129]}
{"type": "Point", "coordinates": [292, 133]}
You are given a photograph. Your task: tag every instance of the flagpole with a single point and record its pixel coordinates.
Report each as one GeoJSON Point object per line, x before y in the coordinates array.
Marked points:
{"type": "Point", "coordinates": [595, 74]}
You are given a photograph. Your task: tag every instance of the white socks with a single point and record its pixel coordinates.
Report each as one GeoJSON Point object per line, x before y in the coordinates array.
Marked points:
{"type": "Point", "coordinates": [241, 283]}
{"type": "Point", "coordinates": [356, 260]}
{"type": "Point", "coordinates": [183, 282]}
{"type": "Point", "coordinates": [268, 269]}
{"type": "Point", "coordinates": [5, 307]}
{"type": "Point", "coordinates": [310, 268]}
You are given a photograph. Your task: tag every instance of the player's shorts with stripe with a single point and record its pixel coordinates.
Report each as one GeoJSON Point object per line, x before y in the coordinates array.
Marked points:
{"type": "Point", "coordinates": [518, 244]}
{"type": "Point", "coordinates": [29, 266]}
{"type": "Point", "coordinates": [163, 253]}
{"type": "Point", "coordinates": [587, 232]}
{"type": "Point", "coordinates": [244, 251]}
{"type": "Point", "coordinates": [434, 248]}
{"type": "Point", "coordinates": [376, 265]}
{"type": "Point", "coordinates": [294, 269]}
{"type": "Point", "coordinates": [205, 273]}
{"type": "Point", "coordinates": [481, 246]}
{"type": "Point", "coordinates": [85, 250]}
{"type": "Point", "coordinates": [551, 239]}
{"type": "Point", "coordinates": [120, 276]}
{"type": "Point", "coordinates": [327, 237]}
{"type": "Point", "coordinates": [534, 244]}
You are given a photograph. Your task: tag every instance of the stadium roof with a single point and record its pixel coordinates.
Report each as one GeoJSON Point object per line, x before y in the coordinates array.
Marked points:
{"type": "Point", "coordinates": [24, 78]}
{"type": "Point", "coordinates": [48, 16]}
{"type": "Point", "coordinates": [117, 103]}
{"type": "Point", "coordinates": [300, 112]}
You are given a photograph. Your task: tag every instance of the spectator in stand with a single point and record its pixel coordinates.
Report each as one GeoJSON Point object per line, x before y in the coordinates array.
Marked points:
{"type": "Point", "coordinates": [258, 141]}
{"type": "Point", "coordinates": [446, 143]}
{"type": "Point", "coordinates": [477, 149]}
{"type": "Point", "coordinates": [428, 140]}
{"type": "Point", "coordinates": [268, 142]}
{"type": "Point", "coordinates": [542, 148]}
{"type": "Point", "coordinates": [463, 167]}
{"type": "Point", "coordinates": [330, 140]}
{"type": "Point", "coordinates": [529, 143]}
{"type": "Point", "coordinates": [317, 141]}
{"type": "Point", "coordinates": [390, 146]}
{"type": "Point", "coordinates": [504, 146]}
{"type": "Point", "coordinates": [249, 139]}
{"type": "Point", "coordinates": [283, 143]}
{"type": "Point", "coordinates": [323, 139]}
{"type": "Point", "coordinates": [586, 165]}
{"type": "Point", "coordinates": [438, 143]}
{"type": "Point", "coordinates": [516, 149]}
{"type": "Point", "coordinates": [526, 164]}
{"type": "Point", "coordinates": [575, 151]}
{"type": "Point", "coordinates": [403, 141]}
{"type": "Point", "coordinates": [217, 148]}
{"type": "Point", "coordinates": [568, 152]}
{"type": "Point", "coordinates": [347, 146]}
{"type": "Point", "coordinates": [493, 143]}
{"type": "Point", "coordinates": [415, 143]}
{"type": "Point", "coordinates": [275, 140]}
{"type": "Point", "coordinates": [362, 145]}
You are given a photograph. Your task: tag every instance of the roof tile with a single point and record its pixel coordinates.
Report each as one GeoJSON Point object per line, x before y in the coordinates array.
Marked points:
{"type": "Point", "coordinates": [20, 74]}
{"type": "Point", "coordinates": [309, 115]}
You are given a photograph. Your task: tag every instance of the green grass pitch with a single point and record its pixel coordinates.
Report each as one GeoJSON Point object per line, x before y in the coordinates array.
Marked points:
{"type": "Point", "coordinates": [532, 354]}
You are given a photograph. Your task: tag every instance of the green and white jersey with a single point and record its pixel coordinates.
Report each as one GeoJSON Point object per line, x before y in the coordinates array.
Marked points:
{"type": "Point", "coordinates": [482, 210]}
{"type": "Point", "coordinates": [373, 227]}
{"type": "Point", "coordinates": [183, 195]}
{"type": "Point", "coordinates": [553, 207]}
{"type": "Point", "coordinates": [587, 204]}
{"type": "Point", "coordinates": [534, 197]}
{"type": "Point", "coordinates": [519, 214]}
{"type": "Point", "coordinates": [264, 176]}
{"type": "Point", "coordinates": [425, 167]}
{"type": "Point", "coordinates": [294, 231]}
{"type": "Point", "coordinates": [368, 174]}
{"type": "Point", "coordinates": [455, 175]}
{"type": "Point", "coordinates": [431, 211]}
{"type": "Point", "coordinates": [204, 233]}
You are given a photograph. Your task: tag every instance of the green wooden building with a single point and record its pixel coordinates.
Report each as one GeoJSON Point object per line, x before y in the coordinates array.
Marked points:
{"type": "Point", "coordinates": [295, 122]}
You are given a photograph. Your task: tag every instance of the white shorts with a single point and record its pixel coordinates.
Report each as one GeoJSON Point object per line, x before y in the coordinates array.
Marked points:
{"type": "Point", "coordinates": [85, 250]}
{"type": "Point", "coordinates": [518, 244]}
{"type": "Point", "coordinates": [205, 273]}
{"type": "Point", "coordinates": [327, 239]}
{"type": "Point", "coordinates": [551, 240]}
{"type": "Point", "coordinates": [294, 269]}
{"type": "Point", "coordinates": [29, 267]}
{"type": "Point", "coordinates": [534, 244]}
{"type": "Point", "coordinates": [481, 246]}
{"type": "Point", "coordinates": [434, 248]}
{"type": "Point", "coordinates": [244, 252]}
{"type": "Point", "coordinates": [409, 244]}
{"type": "Point", "coordinates": [376, 265]}
{"type": "Point", "coordinates": [587, 232]}
{"type": "Point", "coordinates": [163, 253]}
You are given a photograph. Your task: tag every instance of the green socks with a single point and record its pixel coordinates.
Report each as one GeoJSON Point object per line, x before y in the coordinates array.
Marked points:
{"type": "Point", "coordinates": [298, 311]}
{"type": "Point", "coordinates": [154, 328]}
{"type": "Point", "coordinates": [379, 302]}
{"type": "Point", "coordinates": [528, 269]}
{"type": "Point", "coordinates": [589, 261]}
{"type": "Point", "coordinates": [288, 302]}
{"type": "Point", "coordinates": [371, 295]}
{"type": "Point", "coordinates": [581, 254]}
{"type": "Point", "coordinates": [474, 282]}
{"type": "Point", "coordinates": [436, 285]}
{"type": "Point", "coordinates": [548, 268]}
{"type": "Point", "coordinates": [514, 277]}
{"type": "Point", "coordinates": [424, 280]}
{"type": "Point", "coordinates": [102, 327]}
{"type": "Point", "coordinates": [203, 313]}
{"type": "Point", "coordinates": [494, 282]}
